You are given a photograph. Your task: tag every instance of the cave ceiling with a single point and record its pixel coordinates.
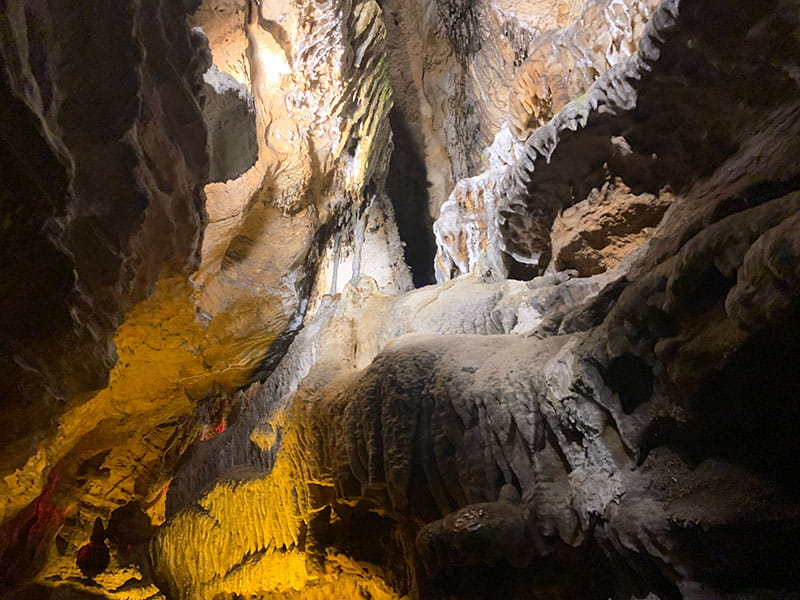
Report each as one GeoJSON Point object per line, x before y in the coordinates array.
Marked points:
{"type": "Point", "coordinates": [399, 299]}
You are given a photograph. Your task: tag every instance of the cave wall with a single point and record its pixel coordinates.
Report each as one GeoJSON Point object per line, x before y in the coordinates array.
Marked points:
{"type": "Point", "coordinates": [625, 434]}
{"type": "Point", "coordinates": [219, 385]}
{"type": "Point", "coordinates": [103, 162]}
{"type": "Point", "coordinates": [189, 217]}
{"type": "Point", "coordinates": [452, 65]}
{"type": "Point", "coordinates": [68, 289]}
{"type": "Point", "coordinates": [557, 67]}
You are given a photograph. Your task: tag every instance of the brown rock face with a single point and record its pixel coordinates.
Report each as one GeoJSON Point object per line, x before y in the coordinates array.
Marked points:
{"type": "Point", "coordinates": [452, 64]}
{"type": "Point", "coordinates": [596, 234]}
{"type": "Point", "coordinates": [564, 63]}
{"type": "Point", "coordinates": [533, 444]}
{"type": "Point", "coordinates": [554, 68]}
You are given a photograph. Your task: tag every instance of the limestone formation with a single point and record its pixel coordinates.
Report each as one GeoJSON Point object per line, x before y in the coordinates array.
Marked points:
{"type": "Point", "coordinates": [564, 63]}
{"type": "Point", "coordinates": [561, 66]}
{"type": "Point", "coordinates": [103, 165]}
{"type": "Point", "coordinates": [465, 234]}
{"type": "Point", "coordinates": [452, 64]}
{"type": "Point", "coordinates": [120, 235]}
{"type": "Point", "coordinates": [218, 382]}
{"type": "Point", "coordinates": [609, 419]}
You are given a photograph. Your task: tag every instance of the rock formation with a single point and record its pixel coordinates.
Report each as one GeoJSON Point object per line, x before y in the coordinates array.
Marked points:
{"type": "Point", "coordinates": [155, 315]}
{"type": "Point", "coordinates": [218, 382]}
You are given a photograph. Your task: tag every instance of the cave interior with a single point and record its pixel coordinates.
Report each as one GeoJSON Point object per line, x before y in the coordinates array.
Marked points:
{"type": "Point", "coordinates": [400, 299]}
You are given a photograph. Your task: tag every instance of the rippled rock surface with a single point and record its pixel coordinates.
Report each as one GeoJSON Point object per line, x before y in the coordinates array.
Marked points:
{"type": "Point", "coordinates": [598, 399]}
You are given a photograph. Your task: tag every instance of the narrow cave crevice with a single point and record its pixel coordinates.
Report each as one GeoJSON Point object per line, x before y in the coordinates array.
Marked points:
{"type": "Point", "coordinates": [756, 194]}
{"type": "Point", "coordinates": [631, 378]}
{"type": "Point", "coordinates": [522, 272]}
{"type": "Point", "coordinates": [755, 392]}
{"type": "Point", "coordinates": [408, 187]}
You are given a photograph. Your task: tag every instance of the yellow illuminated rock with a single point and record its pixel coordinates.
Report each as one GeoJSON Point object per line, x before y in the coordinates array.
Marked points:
{"type": "Point", "coordinates": [248, 536]}
{"type": "Point", "coordinates": [195, 340]}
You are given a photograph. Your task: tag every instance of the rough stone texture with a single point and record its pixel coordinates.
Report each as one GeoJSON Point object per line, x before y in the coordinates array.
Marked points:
{"type": "Point", "coordinates": [452, 64]}
{"type": "Point", "coordinates": [463, 233]}
{"type": "Point", "coordinates": [230, 115]}
{"type": "Point", "coordinates": [371, 245]}
{"type": "Point", "coordinates": [128, 221]}
{"type": "Point", "coordinates": [564, 63]}
{"type": "Point", "coordinates": [529, 207]}
{"type": "Point", "coordinates": [346, 334]}
{"type": "Point", "coordinates": [635, 445]}
{"type": "Point", "coordinates": [103, 154]}
{"type": "Point", "coordinates": [597, 233]}
{"type": "Point", "coordinates": [624, 112]}
{"type": "Point", "coordinates": [555, 67]}
{"type": "Point", "coordinates": [321, 91]}
{"type": "Point", "coordinates": [630, 434]}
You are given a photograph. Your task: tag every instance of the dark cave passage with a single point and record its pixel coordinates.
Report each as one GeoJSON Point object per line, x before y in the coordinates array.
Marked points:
{"type": "Point", "coordinates": [407, 185]}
